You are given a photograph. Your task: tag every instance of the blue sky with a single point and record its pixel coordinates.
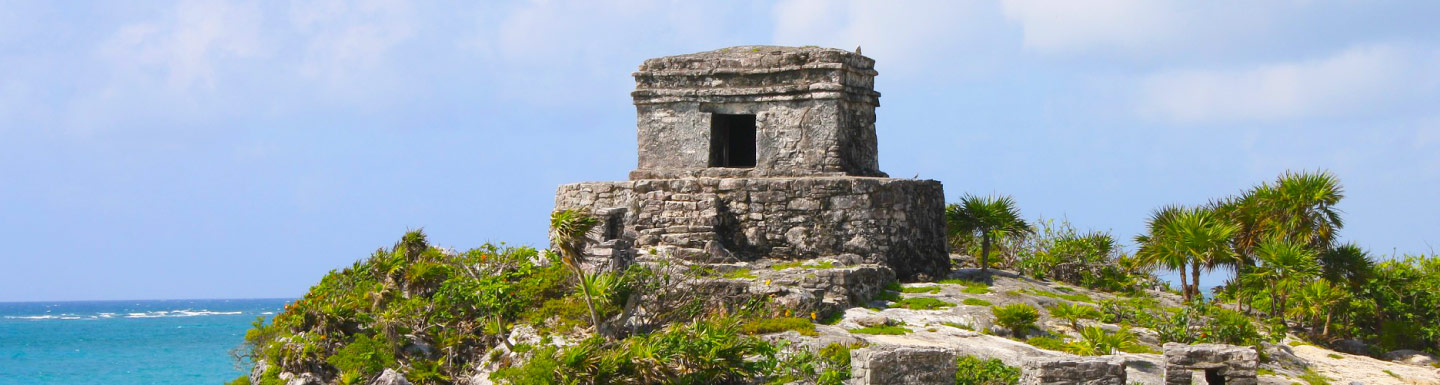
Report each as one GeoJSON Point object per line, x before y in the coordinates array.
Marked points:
{"type": "Point", "coordinates": [209, 149]}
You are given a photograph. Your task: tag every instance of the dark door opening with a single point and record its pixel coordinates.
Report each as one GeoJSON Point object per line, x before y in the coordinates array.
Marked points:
{"type": "Point", "coordinates": [1213, 377]}
{"type": "Point", "coordinates": [732, 140]}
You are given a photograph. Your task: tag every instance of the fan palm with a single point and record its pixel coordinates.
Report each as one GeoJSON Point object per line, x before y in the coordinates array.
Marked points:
{"type": "Point", "coordinates": [1316, 302]}
{"type": "Point", "coordinates": [1283, 267]}
{"type": "Point", "coordinates": [1206, 238]}
{"type": "Point", "coordinates": [1160, 246]}
{"type": "Point", "coordinates": [1299, 207]}
{"type": "Point", "coordinates": [569, 230]}
{"type": "Point", "coordinates": [989, 217]}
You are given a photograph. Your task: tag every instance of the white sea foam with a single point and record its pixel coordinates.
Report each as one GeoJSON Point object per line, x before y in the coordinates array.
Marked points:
{"type": "Point", "coordinates": [149, 314]}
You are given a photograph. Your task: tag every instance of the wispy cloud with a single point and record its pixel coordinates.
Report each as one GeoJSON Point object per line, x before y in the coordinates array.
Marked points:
{"type": "Point", "coordinates": [1357, 80]}
{"type": "Point", "coordinates": [345, 39]}
{"type": "Point", "coordinates": [1067, 26]}
{"type": "Point", "coordinates": [182, 50]}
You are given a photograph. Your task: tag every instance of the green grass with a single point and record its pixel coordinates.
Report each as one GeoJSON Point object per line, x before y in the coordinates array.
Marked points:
{"type": "Point", "coordinates": [1335, 356]}
{"type": "Point", "coordinates": [1051, 294]}
{"type": "Point", "coordinates": [1048, 343]}
{"type": "Point", "coordinates": [966, 283]}
{"type": "Point", "coordinates": [921, 303]}
{"type": "Point", "coordinates": [958, 326]}
{"type": "Point", "coordinates": [890, 330]}
{"type": "Point", "coordinates": [801, 264]}
{"type": "Point", "coordinates": [781, 324]}
{"type": "Point", "coordinates": [975, 302]}
{"type": "Point", "coordinates": [1265, 372]}
{"type": "Point", "coordinates": [1392, 374]}
{"type": "Point", "coordinates": [1313, 378]}
{"type": "Point", "coordinates": [832, 318]}
{"type": "Point", "coordinates": [976, 290]}
{"type": "Point", "coordinates": [921, 289]}
{"type": "Point", "coordinates": [740, 274]}
{"type": "Point", "coordinates": [1298, 343]}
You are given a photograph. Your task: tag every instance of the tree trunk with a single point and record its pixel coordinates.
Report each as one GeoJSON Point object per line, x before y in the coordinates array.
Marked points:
{"type": "Point", "coordinates": [1195, 279]}
{"type": "Point", "coordinates": [585, 289]}
{"type": "Point", "coordinates": [985, 254]}
{"type": "Point", "coordinates": [1184, 287]}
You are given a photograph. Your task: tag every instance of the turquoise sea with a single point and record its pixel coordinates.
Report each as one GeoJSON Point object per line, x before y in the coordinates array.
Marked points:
{"type": "Point", "coordinates": [125, 342]}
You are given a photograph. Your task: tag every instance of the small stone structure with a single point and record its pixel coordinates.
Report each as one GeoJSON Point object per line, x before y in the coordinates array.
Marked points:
{"type": "Point", "coordinates": [762, 152]}
{"type": "Point", "coordinates": [1220, 364]}
{"type": "Point", "coordinates": [1073, 371]}
{"type": "Point", "coordinates": [890, 364]}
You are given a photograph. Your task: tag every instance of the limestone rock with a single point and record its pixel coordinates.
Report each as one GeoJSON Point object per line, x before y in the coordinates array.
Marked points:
{"type": "Point", "coordinates": [1411, 357]}
{"type": "Point", "coordinates": [390, 377]}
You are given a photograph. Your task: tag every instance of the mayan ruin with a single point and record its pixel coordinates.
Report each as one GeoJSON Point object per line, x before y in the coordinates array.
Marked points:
{"type": "Point", "coordinates": [764, 152]}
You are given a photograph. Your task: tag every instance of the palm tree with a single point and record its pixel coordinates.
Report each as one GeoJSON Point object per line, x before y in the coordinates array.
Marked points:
{"type": "Point", "coordinates": [568, 231]}
{"type": "Point", "coordinates": [1160, 246]}
{"type": "Point", "coordinates": [1299, 207]}
{"type": "Point", "coordinates": [1206, 238]}
{"type": "Point", "coordinates": [1284, 266]}
{"type": "Point", "coordinates": [989, 217]}
{"type": "Point", "coordinates": [1316, 302]}
{"type": "Point", "coordinates": [1346, 264]}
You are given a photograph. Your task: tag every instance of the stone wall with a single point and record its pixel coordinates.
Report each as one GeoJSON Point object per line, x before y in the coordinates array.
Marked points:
{"type": "Point", "coordinates": [896, 223]}
{"type": "Point", "coordinates": [1073, 371]}
{"type": "Point", "coordinates": [914, 365]}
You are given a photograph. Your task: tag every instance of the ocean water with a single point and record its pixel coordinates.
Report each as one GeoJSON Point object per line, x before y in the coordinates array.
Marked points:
{"type": "Point", "coordinates": [126, 342]}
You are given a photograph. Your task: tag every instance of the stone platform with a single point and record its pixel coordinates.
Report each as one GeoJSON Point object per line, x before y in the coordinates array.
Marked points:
{"type": "Point", "coordinates": [897, 223]}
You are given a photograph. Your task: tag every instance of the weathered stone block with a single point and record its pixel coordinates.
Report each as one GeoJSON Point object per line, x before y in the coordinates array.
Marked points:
{"type": "Point", "coordinates": [1073, 371]}
{"type": "Point", "coordinates": [887, 364]}
{"type": "Point", "coordinates": [1235, 365]}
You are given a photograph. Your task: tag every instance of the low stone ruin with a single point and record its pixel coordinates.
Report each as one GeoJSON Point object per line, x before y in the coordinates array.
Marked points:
{"type": "Point", "coordinates": [914, 365]}
{"type": "Point", "coordinates": [1073, 371]}
{"type": "Point", "coordinates": [1219, 364]}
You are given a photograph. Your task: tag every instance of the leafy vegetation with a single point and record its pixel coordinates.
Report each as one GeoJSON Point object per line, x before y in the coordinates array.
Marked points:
{"type": "Point", "coordinates": [893, 330]}
{"type": "Point", "coordinates": [1019, 318]}
{"type": "Point", "coordinates": [780, 324]}
{"type": "Point", "coordinates": [985, 218]}
{"type": "Point", "coordinates": [976, 371]}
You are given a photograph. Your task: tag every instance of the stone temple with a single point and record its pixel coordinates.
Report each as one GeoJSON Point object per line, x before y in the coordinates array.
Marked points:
{"type": "Point", "coordinates": [763, 153]}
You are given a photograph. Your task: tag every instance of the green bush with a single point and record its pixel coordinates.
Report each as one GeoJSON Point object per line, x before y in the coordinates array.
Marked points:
{"type": "Point", "coordinates": [1230, 327]}
{"type": "Point", "coordinates": [1074, 313]}
{"type": "Point", "coordinates": [242, 380]}
{"type": "Point", "coordinates": [362, 358]}
{"type": "Point", "coordinates": [1094, 341]}
{"type": "Point", "coordinates": [976, 371]}
{"type": "Point", "coordinates": [1019, 318]}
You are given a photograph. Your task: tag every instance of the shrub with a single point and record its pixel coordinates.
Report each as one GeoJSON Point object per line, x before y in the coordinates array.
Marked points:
{"type": "Point", "coordinates": [1019, 318]}
{"type": "Point", "coordinates": [921, 303]}
{"type": "Point", "coordinates": [1094, 341]}
{"type": "Point", "coordinates": [1074, 313]}
{"type": "Point", "coordinates": [1230, 327]}
{"type": "Point", "coordinates": [780, 324]}
{"type": "Point", "coordinates": [975, 371]}
{"type": "Point", "coordinates": [975, 302]}
{"type": "Point", "coordinates": [361, 359]}
{"type": "Point", "coordinates": [242, 380]}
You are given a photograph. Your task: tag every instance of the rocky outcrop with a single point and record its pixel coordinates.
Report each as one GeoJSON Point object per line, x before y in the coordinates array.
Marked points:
{"type": "Point", "coordinates": [390, 377]}
{"type": "Point", "coordinates": [1411, 357]}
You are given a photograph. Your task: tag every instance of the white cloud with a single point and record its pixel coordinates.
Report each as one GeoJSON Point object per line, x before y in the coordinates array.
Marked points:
{"type": "Point", "coordinates": [187, 45]}
{"type": "Point", "coordinates": [345, 39]}
{"type": "Point", "coordinates": [904, 37]}
{"type": "Point", "coordinates": [1357, 80]}
{"type": "Point", "coordinates": [1061, 26]}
